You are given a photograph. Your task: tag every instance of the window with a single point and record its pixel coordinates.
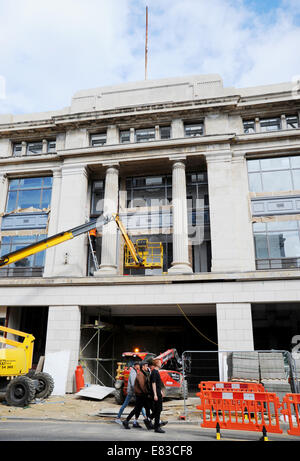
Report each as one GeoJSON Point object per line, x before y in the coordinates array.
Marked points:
{"type": "Point", "coordinates": [97, 198]}
{"type": "Point", "coordinates": [24, 193]}
{"type": "Point", "coordinates": [165, 132]}
{"type": "Point", "coordinates": [51, 146]}
{"type": "Point", "coordinates": [125, 136]}
{"type": "Point", "coordinates": [270, 124]}
{"type": "Point", "coordinates": [198, 220]}
{"type": "Point", "coordinates": [149, 191]}
{"type": "Point", "coordinates": [274, 174]}
{"type": "Point", "coordinates": [17, 150]}
{"type": "Point", "coordinates": [29, 192]}
{"type": "Point", "coordinates": [292, 122]}
{"type": "Point", "coordinates": [34, 147]}
{"type": "Point", "coordinates": [249, 126]}
{"type": "Point", "coordinates": [10, 244]}
{"type": "Point", "coordinates": [277, 244]}
{"type": "Point", "coordinates": [145, 135]}
{"type": "Point", "coordinates": [193, 129]}
{"type": "Point", "coordinates": [98, 139]}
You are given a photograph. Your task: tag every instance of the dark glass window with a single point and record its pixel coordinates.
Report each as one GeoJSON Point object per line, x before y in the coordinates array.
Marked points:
{"type": "Point", "coordinates": [270, 124]}
{"type": "Point", "coordinates": [17, 150]}
{"type": "Point", "coordinates": [292, 121]}
{"type": "Point", "coordinates": [198, 220]}
{"type": "Point", "coordinates": [125, 136]}
{"type": "Point", "coordinates": [193, 129]}
{"type": "Point", "coordinates": [165, 132]}
{"type": "Point", "coordinates": [249, 126]}
{"type": "Point", "coordinates": [97, 197]}
{"type": "Point", "coordinates": [148, 191]}
{"type": "Point", "coordinates": [98, 139]}
{"type": "Point", "coordinates": [145, 135]}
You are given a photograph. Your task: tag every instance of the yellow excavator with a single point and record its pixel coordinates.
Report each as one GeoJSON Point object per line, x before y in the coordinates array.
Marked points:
{"type": "Point", "coordinates": [141, 254]}
{"type": "Point", "coordinates": [18, 383]}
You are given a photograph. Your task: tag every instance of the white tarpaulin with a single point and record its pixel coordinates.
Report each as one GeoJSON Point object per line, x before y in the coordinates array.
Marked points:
{"type": "Point", "coordinates": [94, 391]}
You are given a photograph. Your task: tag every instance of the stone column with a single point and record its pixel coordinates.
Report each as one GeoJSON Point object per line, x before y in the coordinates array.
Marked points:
{"type": "Point", "coordinates": [235, 332]}
{"type": "Point", "coordinates": [108, 264]}
{"type": "Point", "coordinates": [112, 135]}
{"type": "Point", "coordinates": [71, 256]}
{"type": "Point", "coordinates": [230, 215]}
{"type": "Point", "coordinates": [53, 220]}
{"type": "Point", "coordinates": [177, 128]}
{"type": "Point", "coordinates": [63, 341]}
{"type": "Point", "coordinates": [180, 264]}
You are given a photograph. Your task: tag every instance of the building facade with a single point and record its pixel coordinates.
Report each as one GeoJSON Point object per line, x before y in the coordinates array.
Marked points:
{"type": "Point", "coordinates": [212, 173]}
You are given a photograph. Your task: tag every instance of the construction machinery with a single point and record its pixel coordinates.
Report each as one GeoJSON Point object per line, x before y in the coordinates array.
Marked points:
{"type": "Point", "coordinates": [18, 382]}
{"type": "Point", "coordinates": [142, 254]}
{"type": "Point", "coordinates": [174, 384]}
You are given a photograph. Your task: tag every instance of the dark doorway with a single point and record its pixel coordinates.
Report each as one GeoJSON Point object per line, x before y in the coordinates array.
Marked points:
{"type": "Point", "coordinates": [34, 321]}
{"type": "Point", "coordinates": [275, 325]}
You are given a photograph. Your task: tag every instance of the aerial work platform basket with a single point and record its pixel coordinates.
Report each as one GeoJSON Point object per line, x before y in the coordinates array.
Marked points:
{"type": "Point", "coordinates": [150, 253]}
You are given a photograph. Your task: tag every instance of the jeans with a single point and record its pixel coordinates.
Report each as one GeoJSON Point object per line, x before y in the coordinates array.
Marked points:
{"type": "Point", "coordinates": [141, 403]}
{"type": "Point", "coordinates": [126, 402]}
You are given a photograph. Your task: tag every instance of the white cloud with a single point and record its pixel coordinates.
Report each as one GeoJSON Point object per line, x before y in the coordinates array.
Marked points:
{"type": "Point", "coordinates": [49, 49]}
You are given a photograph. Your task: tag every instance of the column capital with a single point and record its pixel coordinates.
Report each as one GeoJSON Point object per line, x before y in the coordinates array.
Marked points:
{"type": "Point", "coordinates": [113, 165]}
{"type": "Point", "coordinates": [57, 172]}
{"type": "Point", "coordinates": [3, 177]}
{"type": "Point", "coordinates": [74, 169]}
{"type": "Point", "coordinates": [177, 159]}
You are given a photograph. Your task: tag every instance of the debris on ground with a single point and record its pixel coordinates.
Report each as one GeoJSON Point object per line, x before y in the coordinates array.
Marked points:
{"type": "Point", "coordinates": [73, 407]}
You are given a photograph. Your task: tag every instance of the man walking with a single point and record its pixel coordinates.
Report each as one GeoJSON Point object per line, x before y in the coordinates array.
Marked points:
{"type": "Point", "coordinates": [141, 398]}
{"type": "Point", "coordinates": [156, 388]}
{"type": "Point", "coordinates": [130, 391]}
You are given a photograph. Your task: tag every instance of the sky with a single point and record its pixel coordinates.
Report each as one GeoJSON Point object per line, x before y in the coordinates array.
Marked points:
{"type": "Point", "coordinates": [49, 49]}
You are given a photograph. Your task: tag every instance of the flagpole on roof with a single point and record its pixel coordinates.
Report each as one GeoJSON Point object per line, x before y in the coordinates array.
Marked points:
{"type": "Point", "coordinates": [146, 45]}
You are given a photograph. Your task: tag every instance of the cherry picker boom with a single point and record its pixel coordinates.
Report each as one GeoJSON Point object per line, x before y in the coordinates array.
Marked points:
{"type": "Point", "coordinates": [142, 254]}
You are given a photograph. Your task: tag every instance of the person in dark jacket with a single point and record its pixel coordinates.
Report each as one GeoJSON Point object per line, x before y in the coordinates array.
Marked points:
{"type": "Point", "coordinates": [141, 391]}
{"type": "Point", "coordinates": [156, 388]}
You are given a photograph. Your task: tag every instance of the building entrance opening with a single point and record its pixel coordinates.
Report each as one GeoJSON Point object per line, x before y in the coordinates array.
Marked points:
{"type": "Point", "coordinates": [152, 334]}
{"type": "Point", "coordinates": [276, 325]}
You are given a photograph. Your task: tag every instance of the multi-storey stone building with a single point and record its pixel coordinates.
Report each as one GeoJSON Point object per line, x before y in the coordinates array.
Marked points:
{"type": "Point", "coordinates": [211, 172]}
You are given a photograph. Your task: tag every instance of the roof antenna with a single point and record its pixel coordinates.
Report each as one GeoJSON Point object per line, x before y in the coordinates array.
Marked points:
{"type": "Point", "coordinates": [146, 45]}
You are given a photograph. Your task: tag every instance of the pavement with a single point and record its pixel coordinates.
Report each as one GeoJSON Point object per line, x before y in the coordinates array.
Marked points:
{"type": "Point", "coordinates": [71, 417]}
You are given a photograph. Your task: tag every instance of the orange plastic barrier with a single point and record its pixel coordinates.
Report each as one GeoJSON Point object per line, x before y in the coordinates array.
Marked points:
{"type": "Point", "coordinates": [217, 385]}
{"type": "Point", "coordinates": [229, 386]}
{"type": "Point", "coordinates": [231, 410]}
{"type": "Point", "coordinates": [291, 408]}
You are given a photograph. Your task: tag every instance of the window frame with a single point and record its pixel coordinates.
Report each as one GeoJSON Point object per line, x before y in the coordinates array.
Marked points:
{"type": "Point", "coordinates": [262, 171]}
{"type": "Point", "coordinates": [94, 136]}
{"type": "Point", "coordinates": [190, 125]}
{"type": "Point", "coordinates": [19, 189]}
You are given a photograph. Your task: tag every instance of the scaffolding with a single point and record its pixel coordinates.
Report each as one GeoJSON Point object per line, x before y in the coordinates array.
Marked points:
{"type": "Point", "coordinates": [97, 360]}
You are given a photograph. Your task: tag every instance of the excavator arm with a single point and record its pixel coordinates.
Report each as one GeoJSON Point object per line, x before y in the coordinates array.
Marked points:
{"type": "Point", "coordinates": [49, 242]}
{"type": "Point", "coordinates": [169, 355]}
